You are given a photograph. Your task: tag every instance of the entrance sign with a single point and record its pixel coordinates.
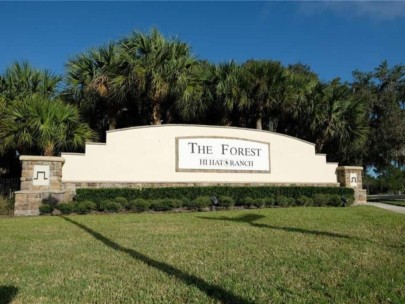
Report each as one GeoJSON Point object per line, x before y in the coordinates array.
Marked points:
{"type": "Point", "coordinates": [178, 155]}
{"type": "Point", "coordinates": [222, 154]}
{"type": "Point", "coordinates": [181, 156]}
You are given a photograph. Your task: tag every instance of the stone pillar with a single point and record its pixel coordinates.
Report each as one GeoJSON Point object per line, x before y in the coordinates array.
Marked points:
{"type": "Point", "coordinates": [41, 179]}
{"type": "Point", "coordinates": [351, 177]}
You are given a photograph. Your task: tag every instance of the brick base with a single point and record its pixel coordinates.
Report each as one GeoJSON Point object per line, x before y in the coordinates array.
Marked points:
{"type": "Point", "coordinates": [27, 202]}
{"type": "Point", "coordinates": [360, 196]}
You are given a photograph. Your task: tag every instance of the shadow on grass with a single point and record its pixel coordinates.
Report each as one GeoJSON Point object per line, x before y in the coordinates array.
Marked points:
{"type": "Point", "coordinates": [251, 218]}
{"type": "Point", "coordinates": [7, 293]}
{"type": "Point", "coordinates": [214, 291]}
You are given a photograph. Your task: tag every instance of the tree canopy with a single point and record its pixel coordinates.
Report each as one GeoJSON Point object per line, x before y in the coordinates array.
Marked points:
{"type": "Point", "coordinates": [147, 78]}
{"type": "Point", "coordinates": [33, 119]}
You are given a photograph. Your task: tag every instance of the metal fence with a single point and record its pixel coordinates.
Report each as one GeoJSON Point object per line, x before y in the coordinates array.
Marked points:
{"type": "Point", "coordinates": [9, 185]}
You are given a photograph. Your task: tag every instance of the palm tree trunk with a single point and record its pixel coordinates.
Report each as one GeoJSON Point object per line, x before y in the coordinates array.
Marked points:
{"type": "Point", "coordinates": [321, 141]}
{"type": "Point", "coordinates": [49, 149]}
{"type": "Point", "coordinates": [112, 123]}
{"type": "Point", "coordinates": [259, 123]}
{"type": "Point", "coordinates": [156, 115]}
{"type": "Point", "coordinates": [273, 124]}
{"type": "Point", "coordinates": [228, 122]}
{"type": "Point", "coordinates": [319, 145]}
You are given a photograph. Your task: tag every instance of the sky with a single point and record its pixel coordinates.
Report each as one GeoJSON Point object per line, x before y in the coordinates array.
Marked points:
{"type": "Point", "coordinates": [334, 38]}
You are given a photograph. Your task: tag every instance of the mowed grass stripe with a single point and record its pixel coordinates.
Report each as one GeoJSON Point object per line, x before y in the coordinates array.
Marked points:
{"type": "Point", "coordinates": [295, 255]}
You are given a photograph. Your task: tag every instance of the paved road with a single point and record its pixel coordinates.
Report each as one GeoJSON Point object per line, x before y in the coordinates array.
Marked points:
{"type": "Point", "coordinates": [397, 209]}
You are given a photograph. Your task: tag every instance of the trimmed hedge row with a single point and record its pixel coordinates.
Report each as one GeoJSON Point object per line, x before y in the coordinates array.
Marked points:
{"type": "Point", "coordinates": [199, 203]}
{"type": "Point", "coordinates": [162, 199]}
{"type": "Point", "coordinates": [191, 193]}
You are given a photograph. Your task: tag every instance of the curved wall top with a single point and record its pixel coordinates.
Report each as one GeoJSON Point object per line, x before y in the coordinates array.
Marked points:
{"type": "Point", "coordinates": [198, 154]}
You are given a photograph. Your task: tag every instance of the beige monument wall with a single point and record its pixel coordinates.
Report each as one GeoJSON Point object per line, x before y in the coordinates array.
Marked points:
{"type": "Point", "coordinates": [148, 155]}
{"type": "Point", "coordinates": [181, 155]}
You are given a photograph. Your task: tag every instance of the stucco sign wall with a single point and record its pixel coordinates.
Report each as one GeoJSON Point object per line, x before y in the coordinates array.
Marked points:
{"type": "Point", "coordinates": [213, 154]}
{"type": "Point", "coordinates": [181, 155]}
{"type": "Point", "coordinates": [193, 154]}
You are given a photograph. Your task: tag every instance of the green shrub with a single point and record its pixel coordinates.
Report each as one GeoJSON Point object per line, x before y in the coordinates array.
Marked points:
{"type": "Point", "coordinates": [174, 203]}
{"type": "Point", "coordinates": [3, 205]}
{"type": "Point", "coordinates": [269, 201]}
{"type": "Point", "coordinates": [84, 207]}
{"type": "Point", "coordinates": [291, 201]}
{"type": "Point", "coordinates": [246, 201]}
{"type": "Point", "coordinates": [200, 202]}
{"type": "Point", "coordinates": [158, 205]}
{"type": "Point", "coordinates": [304, 201]}
{"type": "Point", "coordinates": [321, 200]}
{"type": "Point", "coordinates": [282, 201]}
{"type": "Point", "coordinates": [50, 200]}
{"type": "Point", "coordinates": [161, 204]}
{"type": "Point", "coordinates": [285, 201]}
{"type": "Point", "coordinates": [226, 201]}
{"type": "Point", "coordinates": [335, 200]}
{"type": "Point", "coordinates": [349, 200]}
{"type": "Point", "coordinates": [102, 206]}
{"type": "Point", "coordinates": [65, 208]}
{"type": "Point", "coordinates": [6, 205]}
{"type": "Point", "coordinates": [122, 201]}
{"type": "Point", "coordinates": [139, 205]}
{"type": "Point", "coordinates": [259, 202]}
{"type": "Point", "coordinates": [252, 202]}
{"type": "Point", "coordinates": [112, 206]}
{"type": "Point", "coordinates": [45, 209]}
{"type": "Point", "coordinates": [165, 204]}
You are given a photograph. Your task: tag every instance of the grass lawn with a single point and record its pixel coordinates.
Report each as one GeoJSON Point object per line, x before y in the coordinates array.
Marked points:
{"type": "Point", "coordinates": [292, 255]}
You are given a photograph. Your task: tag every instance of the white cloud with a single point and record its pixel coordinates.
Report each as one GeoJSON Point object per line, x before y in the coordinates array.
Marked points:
{"type": "Point", "coordinates": [377, 10]}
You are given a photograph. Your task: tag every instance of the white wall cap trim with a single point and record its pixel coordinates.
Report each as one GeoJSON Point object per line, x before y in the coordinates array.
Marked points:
{"type": "Point", "coordinates": [42, 158]}
{"type": "Point", "coordinates": [349, 168]}
{"type": "Point", "coordinates": [72, 153]}
{"type": "Point", "coordinates": [208, 126]}
{"type": "Point", "coordinates": [95, 143]}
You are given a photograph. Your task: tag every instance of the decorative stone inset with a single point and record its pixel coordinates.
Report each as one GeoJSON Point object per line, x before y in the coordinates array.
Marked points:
{"type": "Point", "coordinates": [353, 180]}
{"type": "Point", "coordinates": [41, 176]}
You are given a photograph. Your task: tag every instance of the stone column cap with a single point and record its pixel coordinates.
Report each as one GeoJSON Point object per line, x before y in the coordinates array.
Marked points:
{"type": "Point", "coordinates": [42, 158]}
{"type": "Point", "coordinates": [349, 168]}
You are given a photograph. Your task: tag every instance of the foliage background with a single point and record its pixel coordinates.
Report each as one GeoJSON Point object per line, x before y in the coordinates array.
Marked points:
{"type": "Point", "coordinates": [147, 78]}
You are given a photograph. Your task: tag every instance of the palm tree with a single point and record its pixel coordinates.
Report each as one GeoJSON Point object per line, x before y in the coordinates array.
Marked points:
{"type": "Point", "coordinates": [164, 72]}
{"type": "Point", "coordinates": [296, 111]}
{"type": "Point", "coordinates": [32, 119]}
{"type": "Point", "coordinates": [229, 91]}
{"type": "Point", "coordinates": [21, 80]}
{"type": "Point", "coordinates": [339, 117]}
{"type": "Point", "coordinates": [263, 83]}
{"type": "Point", "coordinates": [41, 125]}
{"type": "Point", "coordinates": [90, 76]}
{"type": "Point", "coordinates": [15, 129]}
